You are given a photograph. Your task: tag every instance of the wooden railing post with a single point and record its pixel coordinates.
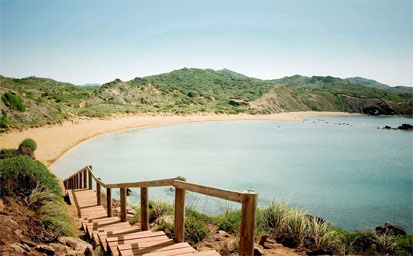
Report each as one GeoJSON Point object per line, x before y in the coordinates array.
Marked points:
{"type": "Point", "coordinates": [144, 209]}
{"type": "Point", "coordinates": [79, 180]}
{"type": "Point", "coordinates": [75, 179]}
{"type": "Point", "coordinates": [84, 179]}
{"type": "Point", "coordinates": [179, 228]}
{"type": "Point", "coordinates": [123, 204]}
{"type": "Point", "coordinates": [109, 201]}
{"type": "Point", "coordinates": [248, 219]}
{"type": "Point", "coordinates": [90, 179]}
{"type": "Point", "coordinates": [98, 194]}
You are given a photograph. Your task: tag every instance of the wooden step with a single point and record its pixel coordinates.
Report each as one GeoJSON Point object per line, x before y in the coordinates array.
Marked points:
{"type": "Point", "coordinates": [168, 249]}
{"type": "Point", "coordinates": [207, 253]}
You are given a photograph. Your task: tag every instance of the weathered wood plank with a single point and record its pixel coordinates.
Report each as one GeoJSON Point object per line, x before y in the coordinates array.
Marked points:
{"type": "Point", "coordinates": [123, 204]}
{"type": "Point", "coordinates": [144, 209]}
{"type": "Point", "coordinates": [215, 192]}
{"type": "Point", "coordinates": [248, 219]}
{"type": "Point", "coordinates": [179, 227]}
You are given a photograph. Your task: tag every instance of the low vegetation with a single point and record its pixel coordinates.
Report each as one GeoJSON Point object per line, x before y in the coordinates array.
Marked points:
{"type": "Point", "coordinates": [31, 182]}
{"type": "Point", "coordinates": [33, 102]}
{"type": "Point", "coordinates": [289, 226]}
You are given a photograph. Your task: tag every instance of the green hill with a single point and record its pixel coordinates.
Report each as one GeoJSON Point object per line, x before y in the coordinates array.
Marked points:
{"type": "Point", "coordinates": [377, 85]}
{"type": "Point", "coordinates": [36, 101]}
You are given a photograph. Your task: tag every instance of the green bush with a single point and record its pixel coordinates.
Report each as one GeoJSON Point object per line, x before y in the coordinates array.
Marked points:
{"type": "Point", "coordinates": [29, 144]}
{"type": "Point", "coordinates": [13, 101]}
{"type": "Point", "coordinates": [21, 175]}
{"type": "Point", "coordinates": [38, 188]}
{"type": "Point", "coordinates": [56, 216]}
{"type": "Point", "coordinates": [230, 221]}
{"type": "Point", "coordinates": [195, 230]}
{"type": "Point", "coordinates": [158, 209]}
{"type": "Point", "coordinates": [7, 153]}
{"type": "Point", "coordinates": [403, 244]}
{"type": "Point", "coordinates": [200, 216]}
{"type": "Point", "coordinates": [4, 122]}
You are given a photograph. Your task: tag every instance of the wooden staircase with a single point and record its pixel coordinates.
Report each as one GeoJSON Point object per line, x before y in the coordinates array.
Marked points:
{"type": "Point", "coordinates": [120, 238]}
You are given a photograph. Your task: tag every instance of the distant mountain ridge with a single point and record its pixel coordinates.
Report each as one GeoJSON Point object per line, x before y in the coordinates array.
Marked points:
{"type": "Point", "coordinates": [374, 84]}
{"type": "Point", "coordinates": [190, 90]}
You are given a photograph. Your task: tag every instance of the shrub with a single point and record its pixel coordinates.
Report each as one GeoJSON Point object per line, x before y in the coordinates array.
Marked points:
{"type": "Point", "coordinates": [13, 101]}
{"type": "Point", "coordinates": [200, 216]}
{"type": "Point", "coordinates": [56, 216]}
{"type": "Point", "coordinates": [195, 230]}
{"type": "Point", "coordinates": [27, 148]}
{"type": "Point", "coordinates": [158, 209]}
{"type": "Point", "coordinates": [4, 122]}
{"type": "Point", "coordinates": [31, 181]}
{"type": "Point", "coordinates": [7, 153]}
{"type": "Point", "coordinates": [230, 221]}
{"type": "Point", "coordinates": [403, 244]}
{"type": "Point", "coordinates": [29, 144]}
{"type": "Point", "coordinates": [20, 175]}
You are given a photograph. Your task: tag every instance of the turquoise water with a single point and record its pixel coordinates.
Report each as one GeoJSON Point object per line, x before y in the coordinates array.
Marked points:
{"type": "Point", "coordinates": [341, 168]}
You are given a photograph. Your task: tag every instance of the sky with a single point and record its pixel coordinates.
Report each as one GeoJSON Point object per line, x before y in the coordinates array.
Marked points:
{"type": "Point", "coordinates": [97, 41]}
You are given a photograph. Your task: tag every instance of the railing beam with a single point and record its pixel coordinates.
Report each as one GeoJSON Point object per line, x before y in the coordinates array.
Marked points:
{"type": "Point", "coordinates": [123, 204]}
{"type": "Point", "coordinates": [248, 219]}
{"type": "Point", "coordinates": [144, 209]}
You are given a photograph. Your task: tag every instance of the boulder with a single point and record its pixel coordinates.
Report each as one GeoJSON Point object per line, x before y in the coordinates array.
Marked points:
{"type": "Point", "coordinates": [45, 249]}
{"type": "Point", "coordinates": [405, 127]}
{"type": "Point", "coordinates": [390, 229]}
{"type": "Point", "coordinates": [168, 219]}
{"type": "Point", "coordinates": [232, 245]}
{"type": "Point", "coordinates": [77, 244]}
{"type": "Point", "coordinates": [20, 248]}
{"type": "Point", "coordinates": [28, 242]}
{"type": "Point", "coordinates": [258, 251]}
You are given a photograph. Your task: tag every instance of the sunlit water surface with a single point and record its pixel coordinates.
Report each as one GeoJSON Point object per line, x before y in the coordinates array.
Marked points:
{"type": "Point", "coordinates": [342, 168]}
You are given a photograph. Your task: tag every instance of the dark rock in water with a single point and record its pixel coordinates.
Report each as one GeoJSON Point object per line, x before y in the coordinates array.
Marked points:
{"type": "Point", "coordinates": [387, 127]}
{"type": "Point", "coordinates": [390, 229]}
{"type": "Point", "coordinates": [405, 127]}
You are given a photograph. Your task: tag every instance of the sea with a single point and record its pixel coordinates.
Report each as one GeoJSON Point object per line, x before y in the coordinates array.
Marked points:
{"type": "Point", "coordinates": [345, 169]}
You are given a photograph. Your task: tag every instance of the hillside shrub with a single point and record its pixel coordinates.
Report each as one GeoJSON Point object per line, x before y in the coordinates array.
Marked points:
{"type": "Point", "coordinates": [13, 101]}
{"type": "Point", "coordinates": [4, 122]}
{"type": "Point", "coordinates": [230, 221]}
{"type": "Point", "coordinates": [158, 209]}
{"type": "Point", "coordinates": [29, 144]}
{"type": "Point", "coordinates": [20, 175]}
{"type": "Point", "coordinates": [37, 187]}
{"type": "Point", "coordinates": [7, 153]}
{"type": "Point", "coordinates": [195, 230]}
{"type": "Point", "coordinates": [27, 148]}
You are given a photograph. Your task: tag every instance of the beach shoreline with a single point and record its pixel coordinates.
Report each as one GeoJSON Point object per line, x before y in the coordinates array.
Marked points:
{"type": "Point", "coordinates": [55, 140]}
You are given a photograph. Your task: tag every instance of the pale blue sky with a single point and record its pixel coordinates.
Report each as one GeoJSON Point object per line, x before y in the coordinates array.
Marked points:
{"type": "Point", "coordinates": [98, 41]}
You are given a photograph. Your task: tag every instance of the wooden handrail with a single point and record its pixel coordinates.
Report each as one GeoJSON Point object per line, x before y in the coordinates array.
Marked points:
{"type": "Point", "coordinates": [248, 199]}
{"type": "Point", "coordinates": [210, 191]}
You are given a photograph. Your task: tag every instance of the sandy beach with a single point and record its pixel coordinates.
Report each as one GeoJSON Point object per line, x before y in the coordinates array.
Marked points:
{"type": "Point", "coordinates": [54, 141]}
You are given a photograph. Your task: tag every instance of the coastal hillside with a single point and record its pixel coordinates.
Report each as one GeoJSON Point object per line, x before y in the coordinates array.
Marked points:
{"type": "Point", "coordinates": [33, 102]}
{"type": "Point", "coordinates": [377, 85]}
